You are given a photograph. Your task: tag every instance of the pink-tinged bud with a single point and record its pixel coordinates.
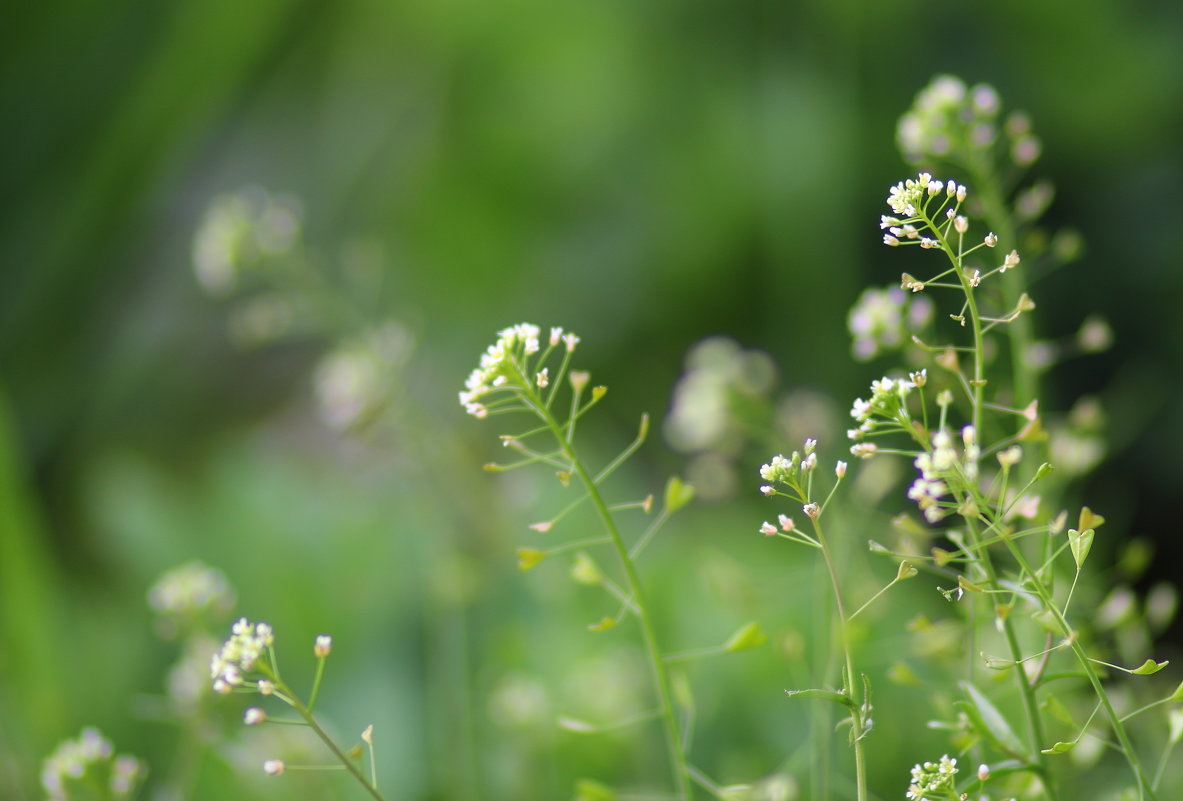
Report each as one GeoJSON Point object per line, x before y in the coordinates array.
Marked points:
{"type": "Point", "coordinates": [273, 767]}
{"type": "Point", "coordinates": [983, 772]}
{"type": "Point", "coordinates": [840, 469]}
{"type": "Point", "coordinates": [767, 529]}
{"type": "Point", "coordinates": [254, 716]}
{"type": "Point", "coordinates": [323, 647]}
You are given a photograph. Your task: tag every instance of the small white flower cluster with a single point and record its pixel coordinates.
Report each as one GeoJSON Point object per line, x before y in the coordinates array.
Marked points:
{"type": "Point", "coordinates": [788, 471]}
{"type": "Point", "coordinates": [907, 198]}
{"type": "Point", "coordinates": [938, 465]}
{"type": "Point", "coordinates": [72, 760]}
{"type": "Point", "coordinates": [882, 319]}
{"type": "Point", "coordinates": [239, 655]}
{"type": "Point", "coordinates": [189, 590]}
{"type": "Point", "coordinates": [505, 362]}
{"type": "Point", "coordinates": [933, 778]}
{"type": "Point", "coordinates": [885, 406]}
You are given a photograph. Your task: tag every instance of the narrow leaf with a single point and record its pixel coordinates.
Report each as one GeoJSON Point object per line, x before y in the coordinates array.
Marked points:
{"type": "Point", "coordinates": [1057, 710]}
{"type": "Point", "coordinates": [604, 624]}
{"type": "Point", "coordinates": [990, 722]}
{"type": "Point", "coordinates": [748, 637]}
{"type": "Point", "coordinates": [825, 695]}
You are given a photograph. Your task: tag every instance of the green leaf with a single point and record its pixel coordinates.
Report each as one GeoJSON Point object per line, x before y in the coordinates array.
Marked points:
{"type": "Point", "coordinates": [748, 637]}
{"type": "Point", "coordinates": [1177, 695]}
{"type": "Point", "coordinates": [736, 792]}
{"type": "Point", "coordinates": [529, 558]}
{"type": "Point", "coordinates": [825, 695]}
{"type": "Point", "coordinates": [1080, 542]}
{"type": "Point", "coordinates": [586, 571]}
{"type": "Point", "coordinates": [1059, 748]}
{"type": "Point", "coordinates": [604, 624]}
{"type": "Point", "coordinates": [989, 721]}
{"type": "Point", "coordinates": [588, 790]}
{"type": "Point", "coordinates": [1149, 667]}
{"type": "Point", "coordinates": [1058, 711]}
{"type": "Point", "coordinates": [677, 494]}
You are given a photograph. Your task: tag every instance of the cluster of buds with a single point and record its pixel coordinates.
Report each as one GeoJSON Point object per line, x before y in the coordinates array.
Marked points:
{"type": "Point", "coordinates": [886, 406]}
{"type": "Point", "coordinates": [933, 778]}
{"type": "Point", "coordinates": [505, 364]}
{"type": "Point", "coordinates": [239, 656]}
{"type": "Point", "coordinates": [794, 472]}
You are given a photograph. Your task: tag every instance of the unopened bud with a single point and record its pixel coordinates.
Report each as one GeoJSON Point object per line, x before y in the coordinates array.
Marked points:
{"type": "Point", "coordinates": [324, 645]}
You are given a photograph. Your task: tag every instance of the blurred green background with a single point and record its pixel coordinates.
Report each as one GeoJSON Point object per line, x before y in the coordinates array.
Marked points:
{"type": "Point", "coordinates": [645, 174]}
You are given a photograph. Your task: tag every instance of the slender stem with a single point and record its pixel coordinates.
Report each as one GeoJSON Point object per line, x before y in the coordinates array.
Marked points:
{"type": "Point", "coordinates": [1014, 284]}
{"type": "Point", "coordinates": [337, 752]}
{"type": "Point", "coordinates": [1145, 787]}
{"type": "Point", "coordinates": [848, 680]}
{"type": "Point", "coordinates": [677, 756]}
{"type": "Point", "coordinates": [982, 556]}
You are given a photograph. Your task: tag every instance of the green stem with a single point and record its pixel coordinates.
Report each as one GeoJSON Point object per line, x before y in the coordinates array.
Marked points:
{"type": "Point", "coordinates": [1030, 704]}
{"type": "Point", "coordinates": [1014, 284]}
{"type": "Point", "coordinates": [848, 682]}
{"type": "Point", "coordinates": [332, 746]}
{"type": "Point", "coordinates": [1145, 787]}
{"type": "Point", "coordinates": [673, 737]}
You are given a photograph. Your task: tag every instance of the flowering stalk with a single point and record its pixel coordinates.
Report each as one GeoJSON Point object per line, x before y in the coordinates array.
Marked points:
{"type": "Point", "coordinates": [921, 203]}
{"type": "Point", "coordinates": [247, 664]}
{"type": "Point", "coordinates": [795, 476]}
{"type": "Point", "coordinates": [506, 370]}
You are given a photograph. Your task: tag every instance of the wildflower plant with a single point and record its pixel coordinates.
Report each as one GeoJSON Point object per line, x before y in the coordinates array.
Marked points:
{"type": "Point", "coordinates": [524, 372]}
{"type": "Point", "coordinates": [87, 767]}
{"type": "Point", "coordinates": [247, 664]}
{"type": "Point", "coordinates": [975, 436]}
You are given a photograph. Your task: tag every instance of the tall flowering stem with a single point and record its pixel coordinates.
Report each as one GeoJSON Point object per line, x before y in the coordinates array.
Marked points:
{"type": "Point", "coordinates": [512, 378]}
{"type": "Point", "coordinates": [792, 477]}
{"type": "Point", "coordinates": [929, 215]}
